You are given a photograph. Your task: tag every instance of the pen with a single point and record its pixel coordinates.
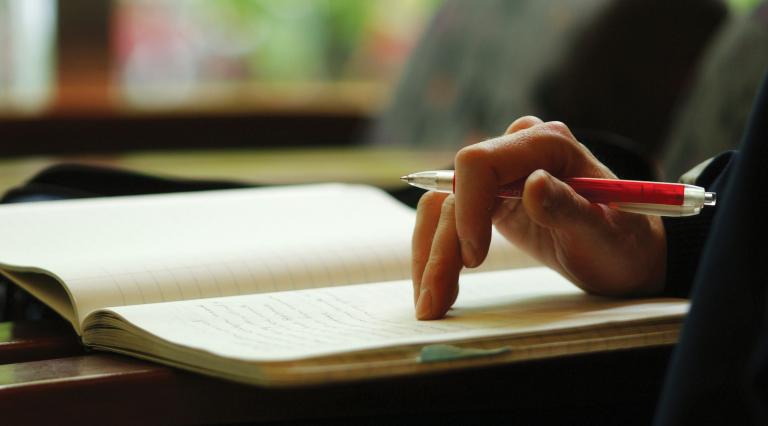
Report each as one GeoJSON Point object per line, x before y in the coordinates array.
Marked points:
{"type": "Point", "coordinates": [652, 198]}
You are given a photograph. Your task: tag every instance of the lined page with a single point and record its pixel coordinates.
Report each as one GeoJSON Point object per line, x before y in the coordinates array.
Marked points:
{"type": "Point", "coordinates": [302, 324]}
{"type": "Point", "coordinates": [155, 248]}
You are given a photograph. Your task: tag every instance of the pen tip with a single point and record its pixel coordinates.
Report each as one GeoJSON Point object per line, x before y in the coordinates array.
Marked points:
{"type": "Point", "coordinates": [405, 178]}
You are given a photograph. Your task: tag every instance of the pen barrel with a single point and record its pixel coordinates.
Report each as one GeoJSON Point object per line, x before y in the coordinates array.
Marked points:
{"type": "Point", "coordinates": [657, 198]}
{"type": "Point", "coordinates": [607, 191]}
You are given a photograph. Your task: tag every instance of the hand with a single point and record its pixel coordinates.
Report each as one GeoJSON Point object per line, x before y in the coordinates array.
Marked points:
{"type": "Point", "coordinates": [601, 250]}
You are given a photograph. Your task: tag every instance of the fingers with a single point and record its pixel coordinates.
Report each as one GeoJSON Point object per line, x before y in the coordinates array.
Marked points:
{"type": "Point", "coordinates": [427, 216]}
{"type": "Point", "coordinates": [553, 204]}
{"type": "Point", "coordinates": [455, 231]}
{"type": "Point", "coordinates": [598, 249]}
{"type": "Point", "coordinates": [439, 284]}
{"type": "Point", "coordinates": [483, 167]}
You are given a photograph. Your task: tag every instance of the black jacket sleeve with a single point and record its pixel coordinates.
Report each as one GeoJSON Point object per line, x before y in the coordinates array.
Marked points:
{"type": "Point", "coordinates": [686, 236]}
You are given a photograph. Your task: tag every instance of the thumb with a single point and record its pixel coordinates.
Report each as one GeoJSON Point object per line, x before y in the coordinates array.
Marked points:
{"type": "Point", "coordinates": [552, 204]}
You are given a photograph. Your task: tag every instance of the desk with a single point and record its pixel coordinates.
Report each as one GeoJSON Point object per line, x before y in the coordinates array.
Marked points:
{"type": "Point", "coordinates": [46, 377]}
{"type": "Point", "coordinates": [381, 167]}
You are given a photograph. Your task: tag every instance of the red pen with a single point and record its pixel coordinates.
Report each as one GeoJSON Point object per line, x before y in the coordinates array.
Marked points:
{"type": "Point", "coordinates": [653, 198]}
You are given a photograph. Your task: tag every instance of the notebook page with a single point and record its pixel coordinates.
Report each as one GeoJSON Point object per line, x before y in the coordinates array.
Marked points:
{"type": "Point", "coordinates": [295, 325]}
{"type": "Point", "coordinates": [155, 248]}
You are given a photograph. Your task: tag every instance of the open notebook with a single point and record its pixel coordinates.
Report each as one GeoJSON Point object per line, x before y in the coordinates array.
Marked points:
{"type": "Point", "coordinates": [294, 285]}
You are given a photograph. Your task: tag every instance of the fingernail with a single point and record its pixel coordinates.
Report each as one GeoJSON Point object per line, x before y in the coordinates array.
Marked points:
{"type": "Point", "coordinates": [424, 305]}
{"type": "Point", "coordinates": [468, 253]}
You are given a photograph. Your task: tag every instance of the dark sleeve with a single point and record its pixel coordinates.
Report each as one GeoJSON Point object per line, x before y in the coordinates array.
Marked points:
{"type": "Point", "coordinates": [686, 236]}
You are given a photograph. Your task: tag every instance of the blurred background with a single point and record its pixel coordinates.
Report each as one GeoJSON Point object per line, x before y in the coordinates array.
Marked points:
{"type": "Point", "coordinates": [80, 78]}
{"type": "Point", "coordinates": [80, 56]}
{"type": "Point", "coordinates": [366, 89]}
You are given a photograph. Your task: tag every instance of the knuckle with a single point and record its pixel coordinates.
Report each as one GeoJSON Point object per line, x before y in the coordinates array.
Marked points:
{"type": "Point", "coordinates": [530, 118]}
{"type": "Point", "coordinates": [560, 128]}
{"type": "Point", "coordinates": [560, 137]}
{"type": "Point", "coordinates": [522, 122]}
{"type": "Point", "coordinates": [427, 200]}
{"type": "Point", "coordinates": [471, 156]}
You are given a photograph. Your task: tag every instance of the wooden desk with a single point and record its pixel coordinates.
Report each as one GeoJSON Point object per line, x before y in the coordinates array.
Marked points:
{"type": "Point", "coordinates": [45, 377]}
